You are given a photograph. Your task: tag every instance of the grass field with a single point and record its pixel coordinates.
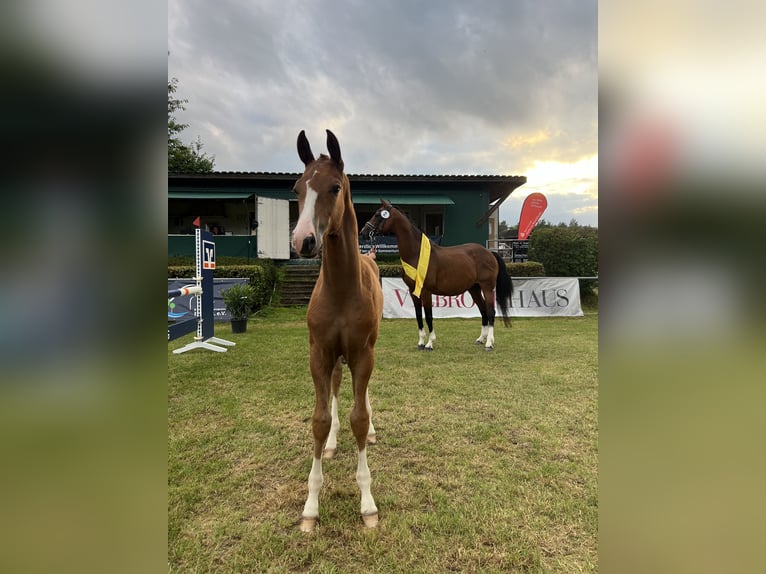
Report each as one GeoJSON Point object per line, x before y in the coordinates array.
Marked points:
{"type": "Point", "coordinates": [486, 462]}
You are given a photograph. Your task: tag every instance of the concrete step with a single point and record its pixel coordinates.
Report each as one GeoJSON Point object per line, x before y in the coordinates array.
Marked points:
{"type": "Point", "coordinates": [298, 284]}
{"type": "Point", "coordinates": [297, 288]}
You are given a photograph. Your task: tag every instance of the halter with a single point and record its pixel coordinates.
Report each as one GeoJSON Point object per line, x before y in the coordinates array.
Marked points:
{"type": "Point", "coordinates": [371, 229]}
{"type": "Point", "coordinates": [416, 273]}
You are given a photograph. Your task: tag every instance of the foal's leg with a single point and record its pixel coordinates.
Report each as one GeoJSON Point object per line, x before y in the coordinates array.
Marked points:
{"type": "Point", "coordinates": [372, 436]}
{"type": "Point", "coordinates": [331, 447]}
{"type": "Point", "coordinates": [477, 297]}
{"type": "Point", "coordinates": [321, 372]}
{"type": "Point", "coordinates": [489, 298]}
{"type": "Point", "coordinates": [332, 439]}
{"type": "Point", "coordinates": [361, 369]}
{"type": "Point", "coordinates": [419, 318]}
{"type": "Point", "coordinates": [427, 307]}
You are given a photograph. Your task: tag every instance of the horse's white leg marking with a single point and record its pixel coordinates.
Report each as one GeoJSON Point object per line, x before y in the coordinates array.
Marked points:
{"type": "Point", "coordinates": [332, 439]}
{"type": "Point", "coordinates": [483, 337]}
{"type": "Point", "coordinates": [490, 338]}
{"type": "Point", "coordinates": [311, 508]}
{"type": "Point", "coordinates": [305, 225]}
{"type": "Point", "coordinates": [421, 337]}
{"type": "Point", "coordinates": [372, 437]}
{"type": "Point", "coordinates": [364, 480]}
{"type": "Point", "coordinates": [431, 339]}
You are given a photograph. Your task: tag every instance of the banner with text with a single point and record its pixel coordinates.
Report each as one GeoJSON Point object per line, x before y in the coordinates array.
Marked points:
{"type": "Point", "coordinates": [183, 307]}
{"type": "Point", "coordinates": [532, 297]}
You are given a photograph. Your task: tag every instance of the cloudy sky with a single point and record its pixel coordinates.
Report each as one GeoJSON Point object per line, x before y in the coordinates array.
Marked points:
{"type": "Point", "coordinates": [490, 87]}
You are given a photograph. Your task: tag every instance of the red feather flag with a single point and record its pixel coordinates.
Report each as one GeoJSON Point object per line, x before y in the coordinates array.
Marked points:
{"type": "Point", "coordinates": [531, 211]}
{"type": "Point", "coordinates": [196, 222]}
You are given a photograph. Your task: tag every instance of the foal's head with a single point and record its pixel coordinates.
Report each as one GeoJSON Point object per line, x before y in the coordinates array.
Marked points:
{"type": "Point", "coordinates": [381, 222]}
{"type": "Point", "coordinates": [321, 196]}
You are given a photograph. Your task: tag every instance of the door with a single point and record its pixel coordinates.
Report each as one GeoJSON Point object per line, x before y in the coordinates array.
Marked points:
{"type": "Point", "coordinates": [273, 228]}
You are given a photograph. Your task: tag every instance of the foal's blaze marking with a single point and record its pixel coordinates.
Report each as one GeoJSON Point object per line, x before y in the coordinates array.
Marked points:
{"type": "Point", "coordinates": [305, 225]}
{"type": "Point", "coordinates": [450, 271]}
{"type": "Point", "coordinates": [343, 317]}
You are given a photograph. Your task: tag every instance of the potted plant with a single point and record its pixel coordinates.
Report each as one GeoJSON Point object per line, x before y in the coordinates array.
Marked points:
{"type": "Point", "coordinates": [239, 301]}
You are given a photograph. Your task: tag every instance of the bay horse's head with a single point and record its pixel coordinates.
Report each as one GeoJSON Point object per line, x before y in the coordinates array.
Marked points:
{"type": "Point", "coordinates": [380, 222]}
{"type": "Point", "coordinates": [321, 195]}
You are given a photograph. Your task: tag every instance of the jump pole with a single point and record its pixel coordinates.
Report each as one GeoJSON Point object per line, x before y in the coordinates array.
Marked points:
{"type": "Point", "coordinates": [185, 291]}
{"type": "Point", "coordinates": [203, 289]}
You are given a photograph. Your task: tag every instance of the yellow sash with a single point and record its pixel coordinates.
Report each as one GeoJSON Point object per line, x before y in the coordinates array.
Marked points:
{"type": "Point", "coordinates": [419, 274]}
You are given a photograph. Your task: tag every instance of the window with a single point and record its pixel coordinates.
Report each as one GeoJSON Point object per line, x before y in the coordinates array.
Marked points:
{"type": "Point", "coordinates": [434, 224]}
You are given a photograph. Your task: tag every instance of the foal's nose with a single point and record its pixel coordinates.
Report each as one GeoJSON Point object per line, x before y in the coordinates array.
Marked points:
{"type": "Point", "coordinates": [309, 245]}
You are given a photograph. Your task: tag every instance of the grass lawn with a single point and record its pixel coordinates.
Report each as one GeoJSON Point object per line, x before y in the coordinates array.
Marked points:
{"type": "Point", "coordinates": [486, 462]}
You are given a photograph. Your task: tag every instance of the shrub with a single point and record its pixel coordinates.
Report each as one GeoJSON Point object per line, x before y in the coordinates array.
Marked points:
{"type": "Point", "coordinates": [567, 252]}
{"type": "Point", "coordinates": [526, 269]}
{"type": "Point", "coordinates": [240, 300]}
{"type": "Point", "coordinates": [261, 277]}
{"type": "Point", "coordinates": [390, 269]}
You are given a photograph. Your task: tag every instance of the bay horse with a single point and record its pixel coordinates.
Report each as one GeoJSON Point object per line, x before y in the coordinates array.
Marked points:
{"type": "Point", "coordinates": [343, 316]}
{"type": "Point", "coordinates": [429, 269]}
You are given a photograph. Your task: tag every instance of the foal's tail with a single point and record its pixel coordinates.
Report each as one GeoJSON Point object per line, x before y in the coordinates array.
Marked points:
{"type": "Point", "coordinates": [503, 289]}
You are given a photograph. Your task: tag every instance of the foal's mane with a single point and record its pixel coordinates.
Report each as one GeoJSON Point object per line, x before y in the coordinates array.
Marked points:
{"type": "Point", "coordinates": [408, 218]}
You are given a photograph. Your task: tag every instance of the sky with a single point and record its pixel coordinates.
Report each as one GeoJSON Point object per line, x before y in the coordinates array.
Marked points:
{"type": "Point", "coordinates": [449, 87]}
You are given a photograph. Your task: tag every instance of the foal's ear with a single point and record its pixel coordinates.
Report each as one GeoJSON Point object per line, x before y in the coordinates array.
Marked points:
{"type": "Point", "coordinates": [334, 148]}
{"type": "Point", "coordinates": [304, 149]}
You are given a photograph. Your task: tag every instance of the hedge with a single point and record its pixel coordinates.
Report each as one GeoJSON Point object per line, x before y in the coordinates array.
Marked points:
{"type": "Point", "coordinates": [528, 269]}
{"type": "Point", "coordinates": [566, 251]}
{"type": "Point", "coordinates": [262, 276]}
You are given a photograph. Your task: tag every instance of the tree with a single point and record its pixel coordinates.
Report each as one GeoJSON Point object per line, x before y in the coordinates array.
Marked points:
{"type": "Point", "coordinates": [183, 158]}
{"type": "Point", "coordinates": [505, 232]}
{"type": "Point", "coordinates": [543, 223]}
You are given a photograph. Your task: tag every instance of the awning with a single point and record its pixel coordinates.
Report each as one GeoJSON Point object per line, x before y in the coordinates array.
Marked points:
{"type": "Point", "coordinates": [362, 198]}
{"type": "Point", "coordinates": [209, 195]}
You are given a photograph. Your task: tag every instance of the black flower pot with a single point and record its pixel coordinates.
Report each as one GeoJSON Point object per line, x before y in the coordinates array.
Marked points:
{"type": "Point", "coordinates": [238, 325]}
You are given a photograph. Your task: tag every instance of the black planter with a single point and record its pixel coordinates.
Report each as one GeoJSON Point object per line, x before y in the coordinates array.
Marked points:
{"type": "Point", "coordinates": [238, 325]}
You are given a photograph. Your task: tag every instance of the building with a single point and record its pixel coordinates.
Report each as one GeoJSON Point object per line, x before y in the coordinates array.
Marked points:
{"type": "Point", "coordinates": [253, 212]}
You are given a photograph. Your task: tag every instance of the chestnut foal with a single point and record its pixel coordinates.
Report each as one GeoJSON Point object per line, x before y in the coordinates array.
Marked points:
{"type": "Point", "coordinates": [343, 315]}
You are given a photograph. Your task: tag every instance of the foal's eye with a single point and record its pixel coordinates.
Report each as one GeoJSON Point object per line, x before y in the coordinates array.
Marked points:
{"type": "Point", "coordinates": [335, 189]}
